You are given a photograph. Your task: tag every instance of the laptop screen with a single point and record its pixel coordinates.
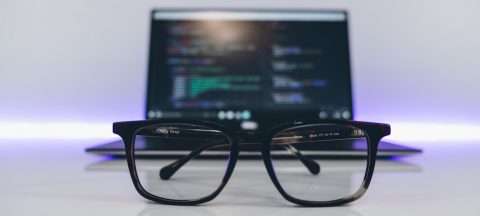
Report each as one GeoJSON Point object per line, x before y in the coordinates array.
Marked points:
{"type": "Point", "coordinates": [251, 69]}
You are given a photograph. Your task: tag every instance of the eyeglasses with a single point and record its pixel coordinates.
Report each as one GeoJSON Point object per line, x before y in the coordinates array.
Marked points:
{"type": "Point", "coordinates": [187, 179]}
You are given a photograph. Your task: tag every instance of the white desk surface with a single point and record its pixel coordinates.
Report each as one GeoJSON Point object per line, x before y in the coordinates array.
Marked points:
{"type": "Point", "coordinates": [59, 178]}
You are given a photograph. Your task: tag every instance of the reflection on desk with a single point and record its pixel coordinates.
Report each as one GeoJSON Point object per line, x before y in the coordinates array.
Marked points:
{"type": "Point", "coordinates": [56, 177]}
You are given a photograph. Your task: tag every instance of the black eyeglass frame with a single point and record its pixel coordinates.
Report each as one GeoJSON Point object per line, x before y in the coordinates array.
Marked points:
{"type": "Point", "coordinates": [374, 132]}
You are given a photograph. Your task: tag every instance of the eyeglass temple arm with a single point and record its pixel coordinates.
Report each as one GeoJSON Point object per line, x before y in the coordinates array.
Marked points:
{"type": "Point", "coordinates": [311, 165]}
{"type": "Point", "coordinates": [167, 171]}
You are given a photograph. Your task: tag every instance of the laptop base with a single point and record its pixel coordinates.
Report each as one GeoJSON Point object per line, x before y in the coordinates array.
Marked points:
{"type": "Point", "coordinates": [345, 150]}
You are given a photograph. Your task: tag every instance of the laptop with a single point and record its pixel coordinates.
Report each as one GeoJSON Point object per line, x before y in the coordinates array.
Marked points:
{"type": "Point", "coordinates": [250, 70]}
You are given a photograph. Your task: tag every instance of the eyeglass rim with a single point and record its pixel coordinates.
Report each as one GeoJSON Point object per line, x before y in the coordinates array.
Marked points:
{"type": "Point", "coordinates": [373, 138]}
{"type": "Point", "coordinates": [129, 130]}
{"type": "Point", "coordinates": [374, 132]}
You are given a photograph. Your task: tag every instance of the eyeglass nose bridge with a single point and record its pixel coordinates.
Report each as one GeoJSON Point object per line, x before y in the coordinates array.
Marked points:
{"type": "Point", "coordinates": [253, 137]}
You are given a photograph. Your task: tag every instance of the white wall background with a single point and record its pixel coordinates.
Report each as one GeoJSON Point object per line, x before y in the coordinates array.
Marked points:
{"type": "Point", "coordinates": [60, 60]}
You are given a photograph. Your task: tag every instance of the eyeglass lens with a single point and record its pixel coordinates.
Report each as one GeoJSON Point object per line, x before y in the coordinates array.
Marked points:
{"type": "Point", "coordinates": [337, 178]}
{"type": "Point", "coordinates": [183, 176]}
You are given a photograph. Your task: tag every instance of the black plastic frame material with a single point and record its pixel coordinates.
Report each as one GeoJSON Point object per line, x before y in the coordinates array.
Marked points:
{"type": "Point", "coordinates": [374, 132]}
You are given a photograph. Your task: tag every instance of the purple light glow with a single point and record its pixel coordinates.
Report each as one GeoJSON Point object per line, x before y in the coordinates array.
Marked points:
{"type": "Point", "coordinates": [433, 132]}
{"type": "Point", "coordinates": [56, 130]}
{"type": "Point", "coordinates": [416, 132]}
